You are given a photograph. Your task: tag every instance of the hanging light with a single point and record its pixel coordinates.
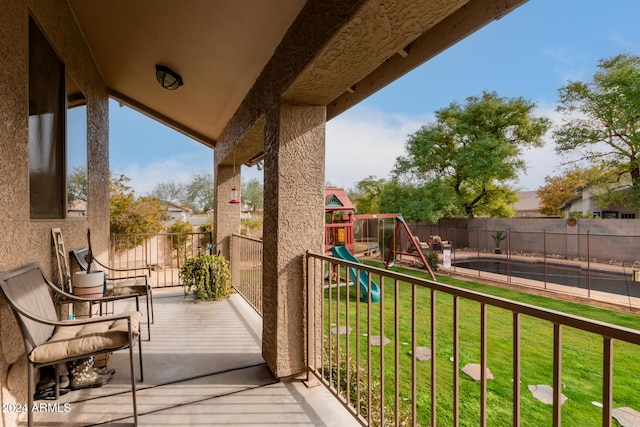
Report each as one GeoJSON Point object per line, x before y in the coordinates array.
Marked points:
{"type": "Point", "coordinates": [234, 196]}
{"type": "Point", "coordinates": [168, 78]}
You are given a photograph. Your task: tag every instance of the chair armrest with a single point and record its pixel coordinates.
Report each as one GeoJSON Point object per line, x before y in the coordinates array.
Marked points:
{"type": "Point", "coordinates": [127, 277]}
{"type": "Point", "coordinates": [86, 321]}
{"type": "Point", "coordinates": [123, 269]}
{"type": "Point", "coordinates": [77, 298]}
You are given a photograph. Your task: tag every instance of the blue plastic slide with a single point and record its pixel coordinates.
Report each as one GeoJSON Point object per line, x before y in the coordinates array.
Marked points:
{"type": "Point", "coordinates": [342, 252]}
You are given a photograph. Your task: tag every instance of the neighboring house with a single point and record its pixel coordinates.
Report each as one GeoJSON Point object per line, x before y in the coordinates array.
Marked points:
{"type": "Point", "coordinates": [585, 204]}
{"type": "Point", "coordinates": [528, 205]}
{"type": "Point", "coordinates": [77, 208]}
{"type": "Point", "coordinates": [176, 212]}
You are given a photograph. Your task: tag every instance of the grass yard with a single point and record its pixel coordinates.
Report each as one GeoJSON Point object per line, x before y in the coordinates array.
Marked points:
{"type": "Point", "coordinates": [581, 354]}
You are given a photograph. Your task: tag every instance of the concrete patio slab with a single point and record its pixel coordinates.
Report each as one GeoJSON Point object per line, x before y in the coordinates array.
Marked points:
{"type": "Point", "coordinates": [202, 366]}
{"type": "Point", "coordinates": [422, 353]}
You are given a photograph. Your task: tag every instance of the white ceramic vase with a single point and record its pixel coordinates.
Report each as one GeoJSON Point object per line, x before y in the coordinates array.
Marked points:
{"type": "Point", "coordinates": [88, 285]}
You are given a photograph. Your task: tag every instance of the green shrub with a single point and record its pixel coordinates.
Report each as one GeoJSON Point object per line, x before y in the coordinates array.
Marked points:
{"type": "Point", "coordinates": [207, 276]}
{"type": "Point", "coordinates": [432, 259]}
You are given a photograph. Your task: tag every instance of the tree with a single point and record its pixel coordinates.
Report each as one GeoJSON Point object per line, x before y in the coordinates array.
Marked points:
{"type": "Point", "coordinates": [197, 194]}
{"type": "Point", "coordinates": [252, 195]}
{"type": "Point", "coordinates": [559, 189]}
{"type": "Point", "coordinates": [168, 192]}
{"type": "Point", "coordinates": [462, 163]}
{"type": "Point", "coordinates": [131, 215]}
{"type": "Point", "coordinates": [77, 185]}
{"type": "Point", "coordinates": [367, 195]}
{"type": "Point", "coordinates": [600, 121]}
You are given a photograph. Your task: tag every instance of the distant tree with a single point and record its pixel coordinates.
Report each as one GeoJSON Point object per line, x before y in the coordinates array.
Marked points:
{"type": "Point", "coordinates": [77, 185]}
{"type": "Point", "coordinates": [252, 195]}
{"type": "Point", "coordinates": [199, 192]}
{"type": "Point", "coordinates": [131, 215]}
{"type": "Point", "coordinates": [367, 195]}
{"type": "Point", "coordinates": [168, 192]}
{"type": "Point", "coordinates": [559, 189]}
{"type": "Point", "coordinates": [600, 123]}
{"type": "Point", "coordinates": [462, 164]}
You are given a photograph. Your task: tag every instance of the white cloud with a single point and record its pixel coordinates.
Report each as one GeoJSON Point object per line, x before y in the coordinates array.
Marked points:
{"type": "Point", "coordinates": [364, 142]}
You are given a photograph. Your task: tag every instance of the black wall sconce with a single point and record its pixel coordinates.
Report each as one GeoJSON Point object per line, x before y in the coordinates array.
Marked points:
{"type": "Point", "coordinates": [168, 78]}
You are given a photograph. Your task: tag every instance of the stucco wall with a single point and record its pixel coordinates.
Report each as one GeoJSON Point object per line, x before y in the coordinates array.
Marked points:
{"type": "Point", "coordinates": [605, 239]}
{"type": "Point", "coordinates": [23, 240]}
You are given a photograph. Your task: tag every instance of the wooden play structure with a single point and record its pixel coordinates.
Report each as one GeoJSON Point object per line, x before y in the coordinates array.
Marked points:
{"type": "Point", "coordinates": [413, 246]}
{"type": "Point", "coordinates": [339, 219]}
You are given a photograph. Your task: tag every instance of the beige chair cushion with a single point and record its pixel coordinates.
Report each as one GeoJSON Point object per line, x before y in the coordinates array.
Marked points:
{"type": "Point", "coordinates": [129, 286]}
{"type": "Point", "coordinates": [78, 340]}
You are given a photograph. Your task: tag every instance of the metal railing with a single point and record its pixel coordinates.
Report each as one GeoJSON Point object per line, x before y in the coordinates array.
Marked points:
{"type": "Point", "coordinates": [384, 385]}
{"type": "Point", "coordinates": [164, 253]}
{"type": "Point", "coordinates": [246, 269]}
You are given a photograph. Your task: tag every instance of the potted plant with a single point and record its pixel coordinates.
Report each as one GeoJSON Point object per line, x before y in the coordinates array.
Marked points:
{"type": "Point", "coordinates": [498, 237]}
{"type": "Point", "coordinates": [207, 277]}
{"type": "Point", "coordinates": [89, 284]}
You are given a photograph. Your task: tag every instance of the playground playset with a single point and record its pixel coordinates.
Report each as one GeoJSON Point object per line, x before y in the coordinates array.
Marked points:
{"type": "Point", "coordinates": [340, 223]}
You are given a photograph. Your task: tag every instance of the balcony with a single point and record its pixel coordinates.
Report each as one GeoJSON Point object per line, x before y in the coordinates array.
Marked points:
{"type": "Point", "coordinates": [202, 367]}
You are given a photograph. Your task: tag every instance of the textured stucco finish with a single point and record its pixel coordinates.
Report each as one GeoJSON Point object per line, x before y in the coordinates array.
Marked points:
{"type": "Point", "coordinates": [23, 240]}
{"type": "Point", "coordinates": [293, 224]}
{"type": "Point", "coordinates": [226, 215]}
{"type": "Point", "coordinates": [376, 32]}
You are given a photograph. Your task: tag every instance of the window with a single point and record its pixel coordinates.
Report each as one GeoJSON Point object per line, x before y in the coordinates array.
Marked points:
{"type": "Point", "coordinates": [77, 194]}
{"type": "Point", "coordinates": [628, 216]}
{"type": "Point", "coordinates": [609, 214]}
{"type": "Point", "coordinates": [46, 128]}
{"type": "Point", "coordinates": [57, 160]}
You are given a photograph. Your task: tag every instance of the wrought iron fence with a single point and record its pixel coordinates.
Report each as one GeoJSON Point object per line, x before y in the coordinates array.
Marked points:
{"type": "Point", "coordinates": [578, 263]}
{"type": "Point", "coordinates": [164, 253]}
{"type": "Point", "coordinates": [398, 362]}
{"type": "Point", "coordinates": [246, 269]}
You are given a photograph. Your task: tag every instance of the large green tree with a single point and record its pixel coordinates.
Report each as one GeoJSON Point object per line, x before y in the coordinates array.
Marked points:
{"type": "Point", "coordinates": [601, 122]}
{"type": "Point", "coordinates": [462, 164]}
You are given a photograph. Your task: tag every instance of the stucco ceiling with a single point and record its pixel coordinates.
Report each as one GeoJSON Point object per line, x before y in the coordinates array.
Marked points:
{"type": "Point", "coordinates": [221, 48]}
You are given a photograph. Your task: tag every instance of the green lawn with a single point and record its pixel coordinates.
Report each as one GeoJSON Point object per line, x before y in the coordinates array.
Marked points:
{"type": "Point", "coordinates": [582, 355]}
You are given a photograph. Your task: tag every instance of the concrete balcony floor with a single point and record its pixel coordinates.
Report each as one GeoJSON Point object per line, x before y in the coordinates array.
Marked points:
{"type": "Point", "coordinates": [203, 366]}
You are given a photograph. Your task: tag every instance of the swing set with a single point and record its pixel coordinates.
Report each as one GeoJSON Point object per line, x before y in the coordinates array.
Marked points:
{"type": "Point", "coordinates": [414, 248]}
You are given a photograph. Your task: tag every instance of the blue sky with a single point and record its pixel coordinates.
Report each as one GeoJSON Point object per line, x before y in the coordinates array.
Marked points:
{"type": "Point", "coordinates": [531, 53]}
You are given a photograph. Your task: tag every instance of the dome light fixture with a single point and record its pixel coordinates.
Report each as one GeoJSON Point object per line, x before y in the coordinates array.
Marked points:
{"type": "Point", "coordinates": [168, 78]}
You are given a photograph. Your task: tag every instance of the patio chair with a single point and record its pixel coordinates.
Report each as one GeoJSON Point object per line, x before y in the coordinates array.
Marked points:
{"type": "Point", "coordinates": [138, 284]}
{"type": "Point", "coordinates": [49, 341]}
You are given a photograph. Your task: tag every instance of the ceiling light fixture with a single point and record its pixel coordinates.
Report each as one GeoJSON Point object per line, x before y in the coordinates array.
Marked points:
{"type": "Point", "coordinates": [168, 78]}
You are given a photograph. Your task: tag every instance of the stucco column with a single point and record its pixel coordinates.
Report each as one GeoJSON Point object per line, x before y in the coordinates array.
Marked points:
{"type": "Point", "coordinates": [293, 224]}
{"type": "Point", "coordinates": [226, 215]}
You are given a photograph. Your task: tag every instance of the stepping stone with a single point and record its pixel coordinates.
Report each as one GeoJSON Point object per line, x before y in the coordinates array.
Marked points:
{"type": "Point", "coordinates": [341, 330]}
{"type": "Point", "coordinates": [544, 394]}
{"type": "Point", "coordinates": [473, 370]}
{"type": "Point", "coordinates": [422, 353]}
{"type": "Point", "coordinates": [627, 417]}
{"type": "Point", "coordinates": [377, 341]}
